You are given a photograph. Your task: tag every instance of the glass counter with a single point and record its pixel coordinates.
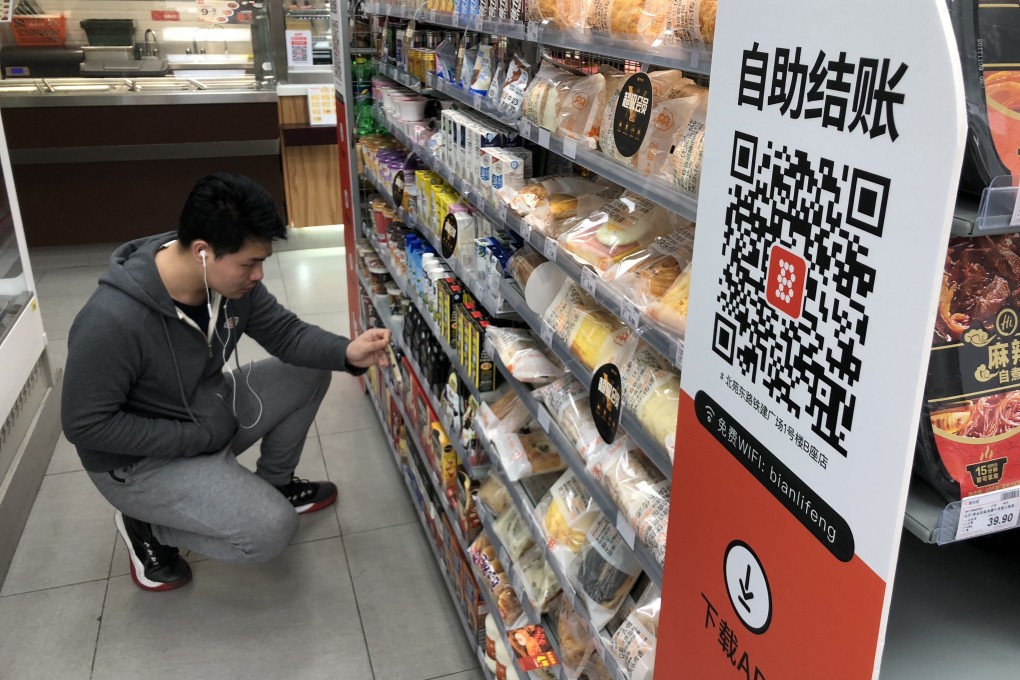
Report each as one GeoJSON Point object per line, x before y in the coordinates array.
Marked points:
{"type": "Point", "coordinates": [14, 292]}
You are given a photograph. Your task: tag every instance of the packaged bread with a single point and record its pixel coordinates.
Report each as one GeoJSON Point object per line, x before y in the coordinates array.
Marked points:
{"type": "Point", "coordinates": [666, 84]}
{"type": "Point", "coordinates": [567, 511]}
{"type": "Point", "coordinates": [520, 352]}
{"type": "Point", "coordinates": [506, 413]}
{"type": "Point", "coordinates": [670, 120]}
{"type": "Point", "coordinates": [651, 390]}
{"type": "Point", "coordinates": [678, 22]}
{"type": "Point", "coordinates": [619, 228]}
{"type": "Point", "coordinates": [523, 262]}
{"type": "Point", "coordinates": [542, 98]}
{"type": "Point", "coordinates": [604, 571]}
{"type": "Point", "coordinates": [670, 311]}
{"type": "Point", "coordinates": [575, 638]}
{"type": "Point", "coordinates": [584, 325]}
{"type": "Point", "coordinates": [511, 96]}
{"type": "Point", "coordinates": [638, 489]}
{"type": "Point", "coordinates": [540, 584]}
{"type": "Point", "coordinates": [495, 495]}
{"type": "Point", "coordinates": [581, 109]}
{"type": "Point", "coordinates": [633, 643]}
{"type": "Point", "coordinates": [540, 189]}
{"type": "Point", "coordinates": [614, 19]}
{"type": "Point", "coordinates": [685, 166]}
{"type": "Point", "coordinates": [526, 453]}
{"type": "Point", "coordinates": [567, 401]}
{"type": "Point", "coordinates": [644, 277]}
{"type": "Point", "coordinates": [513, 533]}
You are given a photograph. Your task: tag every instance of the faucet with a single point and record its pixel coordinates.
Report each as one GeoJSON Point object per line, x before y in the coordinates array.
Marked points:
{"type": "Point", "coordinates": [226, 47]}
{"type": "Point", "coordinates": [151, 50]}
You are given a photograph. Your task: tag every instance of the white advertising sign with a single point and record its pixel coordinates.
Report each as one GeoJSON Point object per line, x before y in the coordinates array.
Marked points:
{"type": "Point", "coordinates": [834, 142]}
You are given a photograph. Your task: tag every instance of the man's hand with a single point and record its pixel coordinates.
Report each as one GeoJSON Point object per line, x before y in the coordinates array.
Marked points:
{"type": "Point", "coordinates": [369, 349]}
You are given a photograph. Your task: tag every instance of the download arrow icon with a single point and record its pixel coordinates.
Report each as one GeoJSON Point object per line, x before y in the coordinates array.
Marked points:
{"type": "Point", "coordinates": [745, 593]}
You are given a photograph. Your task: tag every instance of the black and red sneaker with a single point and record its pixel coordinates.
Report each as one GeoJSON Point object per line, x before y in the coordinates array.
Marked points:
{"type": "Point", "coordinates": [154, 566]}
{"type": "Point", "coordinates": [308, 496]}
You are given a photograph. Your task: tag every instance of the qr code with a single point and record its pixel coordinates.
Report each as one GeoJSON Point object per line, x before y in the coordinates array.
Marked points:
{"type": "Point", "coordinates": [796, 283]}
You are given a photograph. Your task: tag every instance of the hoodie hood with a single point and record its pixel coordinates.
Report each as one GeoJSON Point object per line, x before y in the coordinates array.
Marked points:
{"type": "Point", "coordinates": [133, 271]}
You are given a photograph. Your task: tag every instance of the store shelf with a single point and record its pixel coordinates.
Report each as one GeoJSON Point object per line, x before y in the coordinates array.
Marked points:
{"type": "Point", "coordinates": [932, 520]}
{"type": "Point", "coordinates": [670, 347]}
{"type": "Point", "coordinates": [655, 450]}
{"type": "Point", "coordinates": [398, 74]}
{"type": "Point", "coordinates": [479, 290]}
{"type": "Point", "coordinates": [694, 59]}
{"type": "Point", "coordinates": [477, 102]}
{"type": "Point", "coordinates": [642, 553]}
{"type": "Point", "coordinates": [475, 471]}
{"type": "Point", "coordinates": [508, 29]}
{"type": "Point", "coordinates": [527, 511]}
{"type": "Point", "coordinates": [660, 192]}
{"type": "Point", "coordinates": [473, 637]}
{"type": "Point", "coordinates": [363, 51]}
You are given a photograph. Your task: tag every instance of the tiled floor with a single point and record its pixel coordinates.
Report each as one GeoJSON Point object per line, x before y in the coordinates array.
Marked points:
{"type": "Point", "coordinates": [357, 596]}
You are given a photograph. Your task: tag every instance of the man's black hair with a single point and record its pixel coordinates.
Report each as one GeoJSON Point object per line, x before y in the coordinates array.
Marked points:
{"type": "Point", "coordinates": [226, 210]}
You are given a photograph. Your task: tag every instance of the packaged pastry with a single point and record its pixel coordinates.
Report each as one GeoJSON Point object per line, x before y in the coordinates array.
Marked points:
{"type": "Point", "coordinates": [670, 311]}
{"type": "Point", "coordinates": [526, 453]}
{"type": "Point", "coordinates": [638, 489]}
{"type": "Point", "coordinates": [633, 643]}
{"type": "Point", "coordinates": [513, 533]}
{"type": "Point", "coordinates": [492, 638]}
{"type": "Point", "coordinates": [481, 75]}
{"type": "Point", "coordinates": [520, 353]}
{"type": "Point", "coordinates": [616, 19]}
{"type": "Point", "coordinates": [619, 228]}
{"type": "Point", "coordinates": [651, 390]}
{"type": "Point", "coordinates": [514, 86]}
{"type": "Point", "coordinates": [581, 108]}
{"type": "Point", "coordinates": [645, 276]}
{"type": "Point", "coordinates": [546, 92]}
{"type": "Point", "coordinates": [678, 22]}
{"type": "Point", "coordinates": [507, 413]}
{"type": "Point", "coordinates": [523, 262]}
{"type": "Point", "coordinates": [670, 120]}
{"type": "Point", "coordinates": [540, 584]}
{"type": "Point", "coordinates": [587, 328]}
{"type": "Point", "coordinates": [539, 190]}
{"type": "Point", "coordinates": [508, 603]}
{"type": "Point", "coordinates": [685, 166]}
{"type": "Point", "coordinates": [495, 496]}
{"type": "Point", "coordinates": [666, 85]}
{"type": "Point", "coordinates": [604, 572]}
{"type": "Point", "coordinates": [568, 511]}
{"type": "Point", "coordinates": [567, 401]}
{"type": "Point", "coordinates": [574, 636]}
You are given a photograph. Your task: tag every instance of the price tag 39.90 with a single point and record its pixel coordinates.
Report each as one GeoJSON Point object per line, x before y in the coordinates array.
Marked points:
{"type": "Point", "coordinates": [988, 513]}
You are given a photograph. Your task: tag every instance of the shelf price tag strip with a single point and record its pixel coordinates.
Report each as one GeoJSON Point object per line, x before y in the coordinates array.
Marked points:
{"type": "Point", "coordinates": [988, 513]}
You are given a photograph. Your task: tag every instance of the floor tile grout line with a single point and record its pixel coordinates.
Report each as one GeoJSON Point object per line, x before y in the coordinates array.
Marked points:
{"type": "Point", "coordinates": [388, 526]}
{"type": "Point", "coordinates": [450, 675]}
{"type": "Point", "coordinates": [63, 472]}
{"type": "Point", "coordinates": [357, 607]}
{"type": "Point", "coordinates": [63, 585]}
{"type": "Point", "coordinates": [102, 610]}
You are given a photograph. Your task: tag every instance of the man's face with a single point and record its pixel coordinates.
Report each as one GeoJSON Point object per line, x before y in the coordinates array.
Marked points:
{"type": "Point", "coordinates": [234, 275]}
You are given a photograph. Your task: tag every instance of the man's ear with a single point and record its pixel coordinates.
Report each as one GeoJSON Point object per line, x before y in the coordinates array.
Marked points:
{"type": "Point", "coordinates": [200, 248]}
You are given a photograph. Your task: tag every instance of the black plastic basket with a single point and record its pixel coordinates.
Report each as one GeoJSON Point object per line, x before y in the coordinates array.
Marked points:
{"type": "Point", "coordinates": [109, 32]}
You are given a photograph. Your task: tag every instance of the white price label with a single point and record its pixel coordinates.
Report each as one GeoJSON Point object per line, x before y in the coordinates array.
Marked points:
{"type": "Point", "coordinates": [478, 22]}
{"type": "Point", "coordinates": [526, 128]}
{"type": "Point", "coordinates": [589, 280]}
{"type": "Point", "coordinates": [550, 249]}
{"type": "Point", "coordinates": [1015, 221]}
{"type": "Point", "coordinates": [476, 101]}
{"type": "Point", "coordinates": [694, 59]}
{"type": "Point", "coordinates": [501, 211]}
{"type": "Point", "coordinates": [525, 230]}
{"type": "Point", "coordinates": [631, 315]}
{"type": "Point", "coordinates": [543, 419]}
{"type": "Point", "coordinates": [988, 513]}
{"type": "Point", "coordinates": [570, 148]}
{"type": "Point", "coordinates": [533, 31]}
{"type": "Point", "coordinates": [543, 137]}
{"type": "Point", "coordinates": [547, 334]}
{"type": "Point", "coordinates": [625, 529]}
{"type": "Point", "coordinates": [679, 359]}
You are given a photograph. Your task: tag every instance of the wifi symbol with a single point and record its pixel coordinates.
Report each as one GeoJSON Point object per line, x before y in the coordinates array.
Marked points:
{"type": "Point", "coordinates": [711, 414]}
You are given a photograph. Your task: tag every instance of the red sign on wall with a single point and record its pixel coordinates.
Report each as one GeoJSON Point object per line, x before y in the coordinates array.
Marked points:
{"type": "Point", "coordinates": [165, 15]}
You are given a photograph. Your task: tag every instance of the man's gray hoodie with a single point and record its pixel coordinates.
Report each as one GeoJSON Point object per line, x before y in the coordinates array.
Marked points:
{"type": "Point", "coordinates": [140, 380]}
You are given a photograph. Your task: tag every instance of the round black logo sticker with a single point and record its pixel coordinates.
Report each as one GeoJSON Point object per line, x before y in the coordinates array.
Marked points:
{"type": "Point", "coordinates": [633, 114]}
{"type": "Point", "coordinates": [398, 188]}
{"type": "Point", "coordinates": [448, 239]}
{"type": "Point", "coordinates": [605, 397]}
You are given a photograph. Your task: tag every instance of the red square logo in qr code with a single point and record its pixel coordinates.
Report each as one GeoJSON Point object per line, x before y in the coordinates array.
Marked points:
{"type": "Point", "coordinates": [787, 275]}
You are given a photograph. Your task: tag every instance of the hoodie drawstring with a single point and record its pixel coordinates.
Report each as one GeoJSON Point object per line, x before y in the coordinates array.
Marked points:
{"type": "Point", "coordinates": [177, 370]}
